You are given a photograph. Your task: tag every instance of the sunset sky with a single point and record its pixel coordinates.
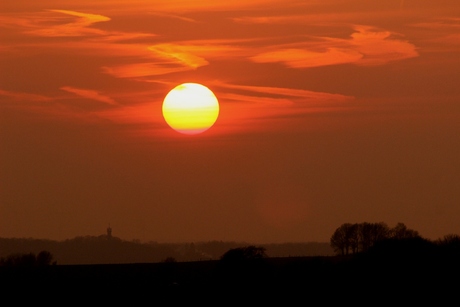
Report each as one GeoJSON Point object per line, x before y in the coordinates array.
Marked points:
{"type": "Point", "coordinates": [330, 112]}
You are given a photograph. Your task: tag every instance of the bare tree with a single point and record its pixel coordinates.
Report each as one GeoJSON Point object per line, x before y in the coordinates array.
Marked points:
{"type": "Point", "coordinates": [400, 231]}
{"type": "Point", "coordinates": [344, 239]}
{"type": "Point", "coordinates": [450, 242]}
{"type": "Point", "coordinates": [365, 238]}
{"type": "Point", "coordinates": [370, 233]}
{"type": "Point", "coordinates": [451, 238]}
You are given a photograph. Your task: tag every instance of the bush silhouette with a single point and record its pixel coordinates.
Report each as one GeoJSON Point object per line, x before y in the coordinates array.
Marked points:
{"type": "Point", "coordinates": [243, 265]}
{"type": "Point", "coordinates": [243, 254]}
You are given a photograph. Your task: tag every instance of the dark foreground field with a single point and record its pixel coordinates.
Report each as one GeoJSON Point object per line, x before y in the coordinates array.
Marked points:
{"type": "Point", "coordinates": [366, 279]}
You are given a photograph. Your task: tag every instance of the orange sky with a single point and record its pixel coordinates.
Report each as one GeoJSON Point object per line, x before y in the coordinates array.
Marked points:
{"type": "Point", "coordinates": [330, 112]}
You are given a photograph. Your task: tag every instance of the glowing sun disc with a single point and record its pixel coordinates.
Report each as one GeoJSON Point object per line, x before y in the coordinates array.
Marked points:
{"type": "Point", "coordinates": [190, 108]}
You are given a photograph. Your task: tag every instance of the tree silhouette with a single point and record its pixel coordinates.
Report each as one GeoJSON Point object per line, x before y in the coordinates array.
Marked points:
{"type": "Point", "coordinates": [400, 231]}
{"type": "Point", "coordinates": [344, 240]}
{"type": "Point", "coordinates": [44, 258]}
{"type": "Point", "coordinates": [450, 244]}
{"type": "Point", "coordinates": [450, 239]}
{"type": "Point", "coordinates": [370, 233]}
{"type": "Point", "coordinates": [353, 238]}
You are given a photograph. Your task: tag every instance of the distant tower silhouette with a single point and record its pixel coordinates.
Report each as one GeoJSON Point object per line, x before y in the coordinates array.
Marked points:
{"type": "Point", "coordinates": [109, 232]}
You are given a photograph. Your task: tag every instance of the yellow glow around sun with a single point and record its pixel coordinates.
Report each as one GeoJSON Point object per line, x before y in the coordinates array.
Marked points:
{"type": "Point", "coordinates": [190, 108]}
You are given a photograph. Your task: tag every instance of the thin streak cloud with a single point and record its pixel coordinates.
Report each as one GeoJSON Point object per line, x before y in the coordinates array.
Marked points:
{"type": "Point", "coordinates": [18, 96]}
{"type": "Point", "coordinates": [89, 94]}
{"type": "Point", "coordinates": [288, 92]}
{"type": "Point", "coordinates": [178, 54]}
{"type": "Point", "coordinates": [142, 70]}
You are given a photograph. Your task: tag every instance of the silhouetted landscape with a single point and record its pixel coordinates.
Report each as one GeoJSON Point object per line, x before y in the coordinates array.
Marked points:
{"type": "Point", "coordinates": [102, 250]}
{"type": "Point", "coordinates": [393, 263]}
{"type": "Point", "coordinates": [245, 152]}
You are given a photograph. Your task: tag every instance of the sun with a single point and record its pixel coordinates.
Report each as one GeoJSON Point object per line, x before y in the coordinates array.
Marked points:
{"type": "Point", "coordinates": [190, 108]}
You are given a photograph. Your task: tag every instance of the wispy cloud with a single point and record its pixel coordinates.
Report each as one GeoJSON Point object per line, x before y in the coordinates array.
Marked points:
{"type": "Point", "coordinates": [206, 5]}
{"type": "Point", "coordinates": [137, 70]}
{"type": "Point", "coordinates": [18, 96]}
{"type": "Point", "coordinates": [51, 106]}
{"type": "Point", "coordinates": [179, 54]}
{"type": "Point", "coordinates": [440, 23]}
{"type": "Point", "coordinates": [286, 92]}
{"type": "Point", "coordinates": [89, 94]}
{"type": "Point", "coordinates": [78, 27]}
{"type": "Point", "coordinates": [173, 16]}
{"type": "Point", "coordinates": [175, 57]}
{"type": "Point", "coordinates": [443, 34]}
{"type": "Point", "coordinates": [273, 100]}
{"type": "Point", "coordinates": [55, 23]}
{"type": "Point", "coordinates": [258, 107]}
{"type": "Point", "coordinates": [367, 46]}
{"type": "Point", "coordinates": [379, 47]}
{"type": "Point", "coordinates": [300, 58]}
{"type": "Point", "coordinates": [292, 19]}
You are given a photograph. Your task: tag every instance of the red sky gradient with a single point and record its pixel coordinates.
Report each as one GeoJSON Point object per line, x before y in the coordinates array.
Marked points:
{"type": "Point", "coordinates": [330, 112]}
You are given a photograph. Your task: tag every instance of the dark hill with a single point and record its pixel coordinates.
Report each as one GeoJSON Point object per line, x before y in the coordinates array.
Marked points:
{"type": "Point", "coordinates": [105, 250]}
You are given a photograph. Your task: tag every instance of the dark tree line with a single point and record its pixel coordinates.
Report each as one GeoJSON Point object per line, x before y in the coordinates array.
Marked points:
{"type": "Point", "coordinates": [43, 258]}
{"type": "Point", "coordinates": [359, 237]}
